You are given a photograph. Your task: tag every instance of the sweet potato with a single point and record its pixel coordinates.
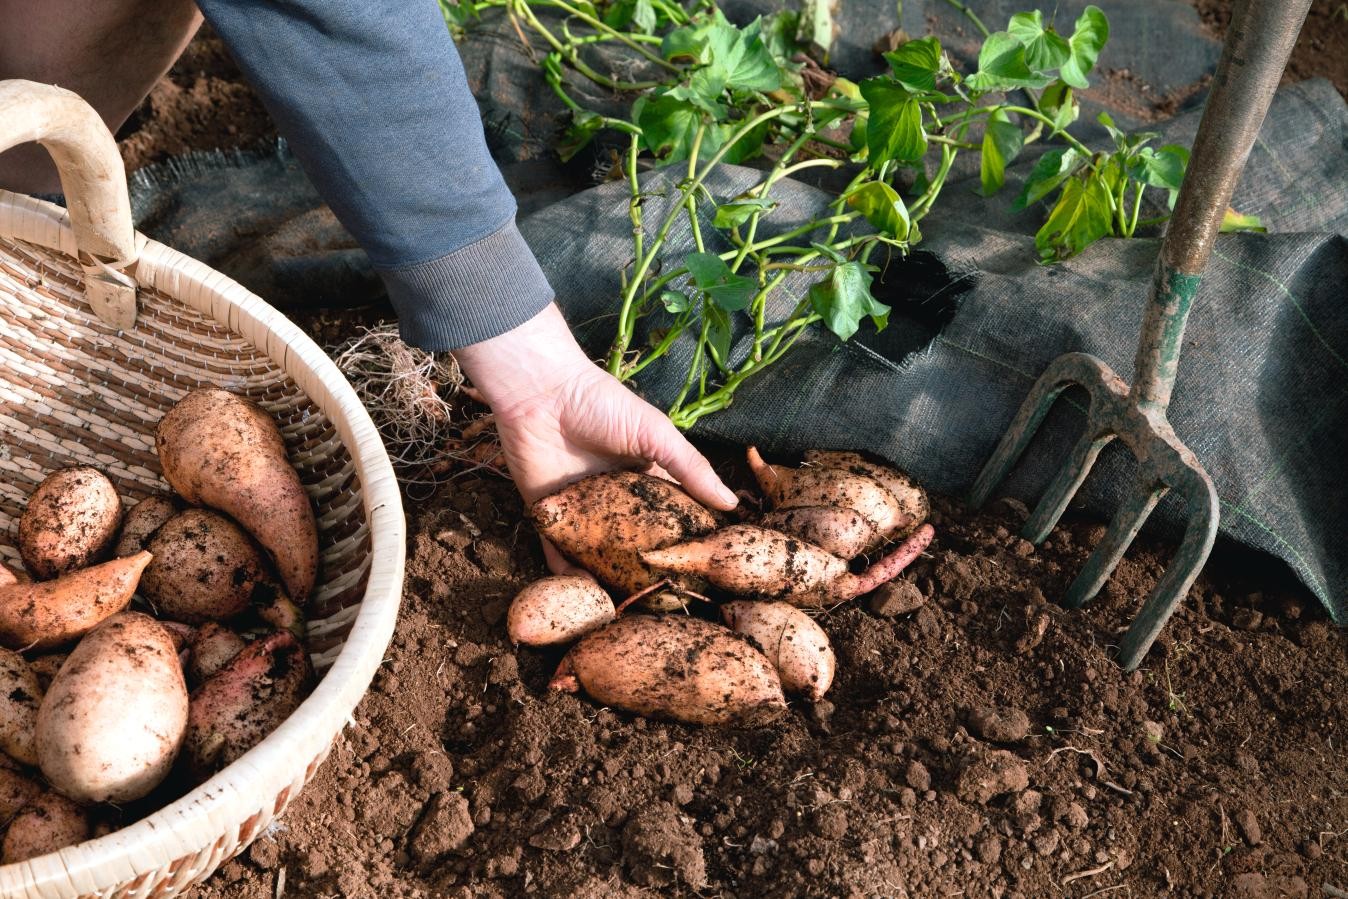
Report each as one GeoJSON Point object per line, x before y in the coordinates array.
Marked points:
{"type": "Point", "coordinates": [44, 667]}
{"type": "Point", "coordinates": [10, 576]}
{"type": "Point", "coordinates": [70, 522]}
{"type": "Point", "coordinates": [796, 488]}
{"type": "Point", "coordinates": [795, 645]}
{"type": "Point", "coordinates": [244, 701]}
{"type": "Point", "coordinates": [48, 823]}
{"type": "Point", "coordinates": [222, 451]}
{"type": "Point", "coordinates": [20, 694]}
{"type": "Point", "coordinates": [271, 604]}
{"type": "Point", "coordinates": [142, 521]}
{"type": "Point", "coordinates": [749, 560]}
{"type": "Point", "coordinates": [205, 568]}
{"type": "Point", "coordinates": [843, 532]}
{"type": "Point", "coordinates": [46, 614]}
{"type": "Point", "coordinates": [603, 522]}
{"type": "Point", "coordinates": [912, 498]}
{"type": "Point", "coordinates": [558, 609]}
{"type": "Point", "coordinates": [16, 791]}
{"type": "Point", "coordinates": [676, 667]}
{"type": "Point", "coordinates": [113, 720]}
{"type": "Point", "coordinates": [213, 647]}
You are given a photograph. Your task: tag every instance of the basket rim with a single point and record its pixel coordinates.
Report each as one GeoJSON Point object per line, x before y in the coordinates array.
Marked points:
{"type": "Point", "coordinates": [210, 817]}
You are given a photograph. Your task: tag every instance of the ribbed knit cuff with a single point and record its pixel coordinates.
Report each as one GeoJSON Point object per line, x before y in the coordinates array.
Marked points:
{"type": "Point", "coordinates": [473, 294]}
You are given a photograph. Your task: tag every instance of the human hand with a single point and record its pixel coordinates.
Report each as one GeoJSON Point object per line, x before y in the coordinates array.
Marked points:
{"type": "Point", "coordinates": [560, 417]}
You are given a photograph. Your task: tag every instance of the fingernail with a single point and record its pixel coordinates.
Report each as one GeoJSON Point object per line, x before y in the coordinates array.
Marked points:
{"type": "Point", "coordinates": [728, 496]}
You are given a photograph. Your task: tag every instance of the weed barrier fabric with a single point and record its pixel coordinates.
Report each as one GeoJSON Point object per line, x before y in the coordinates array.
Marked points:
{"type": "Point", "coordinates": [1262, 395]}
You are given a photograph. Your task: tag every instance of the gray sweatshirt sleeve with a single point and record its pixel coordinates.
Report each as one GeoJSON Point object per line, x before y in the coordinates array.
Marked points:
{"type": "Point", "coordinates": [373, 99]}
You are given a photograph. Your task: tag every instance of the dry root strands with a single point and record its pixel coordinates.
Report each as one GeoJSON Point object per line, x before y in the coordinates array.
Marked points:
{"type": "Point", "coordinates": [754, 561]}
{"type": "Point", "coordinates": [795, 645]}
{"type": "Point", "coordinates": [674, 667]}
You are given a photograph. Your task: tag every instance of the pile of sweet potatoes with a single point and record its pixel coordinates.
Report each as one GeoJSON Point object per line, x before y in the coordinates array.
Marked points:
{"type": "Point", "coordinates": [646, 539]}
{"type": "Point", "coordinates": [168, 638]}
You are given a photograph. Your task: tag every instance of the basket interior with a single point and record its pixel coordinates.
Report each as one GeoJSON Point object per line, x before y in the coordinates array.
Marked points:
{"type": "Point", "coordinates": [74, 391]}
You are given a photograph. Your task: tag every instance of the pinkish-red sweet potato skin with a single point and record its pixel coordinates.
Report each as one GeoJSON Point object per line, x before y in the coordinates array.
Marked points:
{"type": "Point", "coordinates": [49, 613]}
{"type": "Point", "coordinates": [213, 646]}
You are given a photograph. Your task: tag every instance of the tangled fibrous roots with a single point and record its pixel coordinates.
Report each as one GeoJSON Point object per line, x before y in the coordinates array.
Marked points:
{"type": "Point", "coordinates": [406, 391]}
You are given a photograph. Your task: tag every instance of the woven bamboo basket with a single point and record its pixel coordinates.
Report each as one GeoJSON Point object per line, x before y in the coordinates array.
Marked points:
{"type": "Point", "coordinates": [101, 331]}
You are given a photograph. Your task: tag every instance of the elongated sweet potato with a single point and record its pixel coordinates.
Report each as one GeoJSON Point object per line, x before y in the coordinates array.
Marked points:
{"type": "Point", "coordinates": [222, 451]}
{"type": "Point", "coordinates": [753, 561]}
{"type": "Point", "coordinates": [47, 614]}
{"type": "Point", "coordinates": [48, 823]}
{"type": "Point", "coordinates": [795, 645]}
{"type": "Point", "coordinates": [912, 498]}
{"type": "Point", "coordinates": [70, 522]}
{"type": "Point", "coordinates": [20, 694]}
{"type": "Point", "coordinates": [844, 532]}
{"type": "Point", "coordinates": [143, 520]}
{"type": "Point", "coordinates": [558, 609]}
{"type": "Point", "coordinates": [795, 488]}
{"type": "Point", "coordinates": [677, 667]}
{"type": "Point", "coordinates": [603, 522]}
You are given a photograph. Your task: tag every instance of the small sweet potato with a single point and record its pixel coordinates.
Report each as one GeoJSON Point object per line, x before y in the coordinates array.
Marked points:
{"type": "Point", "coordinates": [795, 645]}
{"type": "Point", "coordinates": [20, 694]}
{"type": "Point", "coordinates": [48, 823]}
{"type": "Point", "coordinates": [142, 521]}
{"type": "Point", "coordinates": [558, 609]}
{"type": "Point", "coordinates": [912, 498]}
{"type": "Point", "coordinates": [213, 647]}
{"type": "Point", "coordinates": [205, 568]}
{"type": "Point", "coordinates": [754, 561]}
{"type": "Point", "coordinates": [70, 522]}
{"type": "Point", "coordinates": [795, 488]}
{"type": "Point", "coordinates": [16, 791]}
{"type": "Point", "coordinates": [245, 701]}
{"type": "Point", "coordinates": [844, 532]}
{"type": "Point", "coordinates": [677, 667]}
{"type": "Point", "coordinates": [603, 522]}
{"type": "Point", "coordinates": [46, 614]}
{"type": "Point", "coordinates": [222, 451]}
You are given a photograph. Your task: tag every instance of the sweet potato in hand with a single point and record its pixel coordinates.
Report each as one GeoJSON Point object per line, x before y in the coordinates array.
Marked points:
{"type": "Point", "coordinates": [792, 641]}
{"type": "Point", "coordinates": [47, 614]}
{"type": "Point", "coordinates": [676, 667]}
{"type": "Point", "coordinates": [603, 522]}
{"type": "Point", "coordinates": [222, 451]}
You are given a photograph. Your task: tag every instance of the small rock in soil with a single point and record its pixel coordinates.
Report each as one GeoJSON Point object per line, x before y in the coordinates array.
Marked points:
{"type": "Point", "coordinates": [1247, 619]}
{"type": "Point", "coordinates": [265, 853]}
{"type": "Point", "coordinates": [830, 822]}
{"type": "Point", "coordinates": [446, 826]}
{"type": "Point", "coordinates": [1248, 825]}
{"type": "Point", "coordinates": [917, 776]}
{"type": "Point", "coordinates": [988, 775]}
{"type": "Point", "coordinates": [660, 848]}
{"type": "Point", "coordinates": [896, 598]}
{"type": "Point", "coordinates": [999, 725]}
{"type": "Point", "coordinates": [559, 836]}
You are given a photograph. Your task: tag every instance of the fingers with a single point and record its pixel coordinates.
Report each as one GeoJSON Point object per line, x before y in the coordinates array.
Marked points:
{"type": "Point", "coordinates": [557, 563]}
{"type": "Point", "coordinates": [662, 443]}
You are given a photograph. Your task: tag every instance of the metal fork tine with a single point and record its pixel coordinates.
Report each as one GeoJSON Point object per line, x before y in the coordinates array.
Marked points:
{"type": "Point", "coordinates": [1127, 522]}
{"type": "Point", "coordinates": [1064, 486]}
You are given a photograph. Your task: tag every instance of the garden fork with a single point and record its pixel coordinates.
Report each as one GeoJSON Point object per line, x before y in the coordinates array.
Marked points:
{"type": "Point", "coordinates": [1258, 44]}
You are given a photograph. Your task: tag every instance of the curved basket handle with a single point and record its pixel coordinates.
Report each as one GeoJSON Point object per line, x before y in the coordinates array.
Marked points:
{"type": "Point", "coordinates": [94, 183]}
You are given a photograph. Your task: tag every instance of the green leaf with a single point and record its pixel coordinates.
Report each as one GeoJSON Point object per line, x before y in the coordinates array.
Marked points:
{"type": "Point", "coordinates": [625, 13]}
{"type": "Point", "coordinates": [713, 277]}
{"type": "Point", "coordinates": [1002, 66]}
{"type": "Point", "coordinates": [1159, 168]}
{"type": "Point", "coordinates": [1235, 221]}
{"type": "Point", "coordinates": [1059, 103]}
{"type": "Point", "coordinates": [916, 63]}
{"type": "Point", "coordinates": [844, 298]}
{"type": "Point", "coordinates": [688, 43]}
{"type": "Point", "coordinates": [737, 212]}
{"type": "Point", "coordinates": [817, 28]}
{"type": "Point", "coordinates": [582, 129]}
{"type": "Point", "coordinates": [675, 301]}
{"type": "Point", "coordinates": [882, 207]}
{"type": "Point", "coordinates": [829, 252]}
{"type": "Point", "coordinates": [1049, 171]}
{"type": "Point", "coordinates": [1083, 215]}
{"type": "Point", "coordinates": [779, 36]}
{"type": "Point", "coordinates": [668, 125]}
{"type": "Point", "coordinates": [1044, 48]}
{"type": "Point", "coordinates": [894, 130]}
{"type": "Point", "coordinates": [740, 58]}
{"type": "Point", "coordinates": [1090, 36]}
{"type": "Point", "coordinates": [1120, 138]}
{"type": "Point", "coordinates": [1002, 140]}
{"type": "Point", "coordinates": [718, 334]}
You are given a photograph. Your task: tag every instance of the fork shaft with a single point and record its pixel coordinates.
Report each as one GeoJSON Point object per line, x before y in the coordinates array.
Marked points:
{"type": "Point", "coordinates": [1258, 44]}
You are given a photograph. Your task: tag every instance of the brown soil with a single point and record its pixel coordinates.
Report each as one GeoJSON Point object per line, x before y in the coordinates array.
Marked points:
{"type": "Point", "coordinates": [1321, 50]}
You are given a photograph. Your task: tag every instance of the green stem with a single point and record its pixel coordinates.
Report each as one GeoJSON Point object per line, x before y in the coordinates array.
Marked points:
{"type": "Point", "coordinates": [691, 201]}
{"type": "Point", "coordinates": [1137, 207]}
{"type": "Point", "coordinates": [623, 338]}
{"type": "Point", "coordinates": [971, 16]}
{"type": "Point", "coordinates": [599, 26]}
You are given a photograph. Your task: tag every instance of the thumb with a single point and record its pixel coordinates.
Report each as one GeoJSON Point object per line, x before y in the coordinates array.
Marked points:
{"type": "Point", "coordinates": [662, 443]}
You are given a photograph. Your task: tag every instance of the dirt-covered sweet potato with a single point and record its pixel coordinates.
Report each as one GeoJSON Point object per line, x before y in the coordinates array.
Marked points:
{"type": "Point", "coordinates": [603, 522]}
{"type": "Point", "coordinates": [673, 666]}
{"type": "Point", "coordinates": [843, 532]}
{"type": "Point", "coordinates": [222, 451]}
{"type": "Point", "coordinates": [244, 701]}
{"type": "Point", "coordinates": [142, 521]}
{"type": "Point", "coordinates": [793, 642]}
{"type": "Point", "coordinates": [912, 498]}
{"type": "Point", "coordinates": [205, 568]}
{"type": "Point", "coordinates": [16, 791]}
{"type": "Point", "coordinates": [44, 667]}
{"type": "Point", "coordinates": [558, 609]}
{"type": "Point", "coordinates": [49, 613]}
{"type": "Point", "coordinates": [70, 522]}
{"type": "Point", "coordinates": [213, 647]}
{"type": "Point", "coordinates": [48, 823]}
{"type": "Point", "coordinates": [20, 694]}
{"type": "Point", "coordinates": [796, 488]}
{"type": "Point", "coordinates": [113, 720]}
{"type": "Point", "coordinates": [752, 561]}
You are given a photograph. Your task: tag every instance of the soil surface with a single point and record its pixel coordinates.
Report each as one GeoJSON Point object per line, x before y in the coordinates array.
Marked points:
{"type": "Point", "coordinates": [979, 741]}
